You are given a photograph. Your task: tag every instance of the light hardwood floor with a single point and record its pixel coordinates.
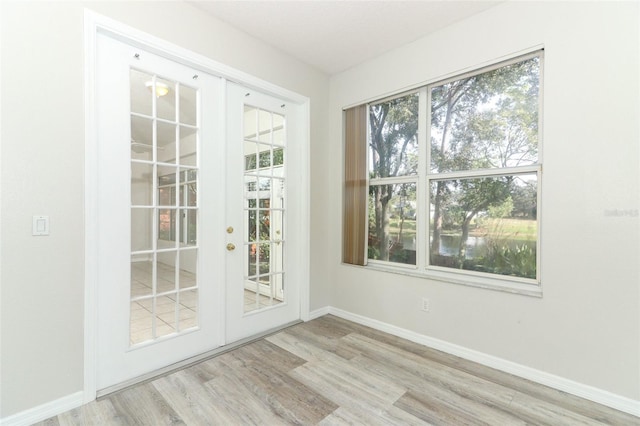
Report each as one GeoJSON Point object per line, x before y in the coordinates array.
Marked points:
{"type": "Point", "coordinates": [333, 372]}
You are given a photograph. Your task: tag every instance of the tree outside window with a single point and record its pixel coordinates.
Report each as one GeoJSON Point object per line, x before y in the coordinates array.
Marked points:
{"type": "Point", "coordinates": [393, 174]}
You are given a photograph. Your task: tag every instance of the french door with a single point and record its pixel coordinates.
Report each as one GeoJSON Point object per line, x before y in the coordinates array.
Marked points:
{"type": "Point", "coordinates": [260, 292]}
{"type": "Point", "coordinates": [192, 219]}
{"type": "Point", "coordinates": [160, 286]}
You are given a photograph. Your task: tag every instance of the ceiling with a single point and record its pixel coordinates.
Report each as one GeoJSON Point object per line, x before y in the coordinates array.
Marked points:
{"type": "Point", "coordinates": [336, 35]}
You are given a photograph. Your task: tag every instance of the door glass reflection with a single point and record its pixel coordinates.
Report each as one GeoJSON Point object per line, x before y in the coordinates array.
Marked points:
{"type": "Point", "coordinates": [164, 208]}
{"type": "Point", "coordinates": [263, 150]}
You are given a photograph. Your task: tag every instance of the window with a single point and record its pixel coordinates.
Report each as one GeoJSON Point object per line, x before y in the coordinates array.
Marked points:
{"type": "Point", "coordinates": [187, 198]}
{"type": "Point", "coordinates": [393, 179]}
{"type": "Point", "coordinates": [453, 177]}
{"type": "Point", "coordinates": [264, 160]}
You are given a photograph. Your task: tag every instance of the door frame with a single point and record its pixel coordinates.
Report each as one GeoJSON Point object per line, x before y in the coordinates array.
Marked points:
{"type": "Point", "coordinates": [95, 24]}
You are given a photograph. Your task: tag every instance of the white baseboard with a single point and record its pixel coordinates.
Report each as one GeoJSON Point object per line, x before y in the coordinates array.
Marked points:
{"type": "Point", "coordinates": [591, 393]}
{"type": "Point", "coordinates": [319, 312]}
{"type": "Point", "coordinates": [44, 411]}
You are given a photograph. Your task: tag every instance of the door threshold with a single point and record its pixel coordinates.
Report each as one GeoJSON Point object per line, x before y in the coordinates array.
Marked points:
{"type": "Point", "coordinates": [161, 372]}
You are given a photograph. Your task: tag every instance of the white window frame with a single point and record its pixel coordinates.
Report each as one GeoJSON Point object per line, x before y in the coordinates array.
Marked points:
{"type": "Point", "coordinates": [404, 179]}
{"type": "Point", "coordinates": [526, 286]}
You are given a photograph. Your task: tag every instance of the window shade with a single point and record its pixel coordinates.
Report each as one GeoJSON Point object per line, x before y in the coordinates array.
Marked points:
{"type": "Point", "coordinates": [355, 185]}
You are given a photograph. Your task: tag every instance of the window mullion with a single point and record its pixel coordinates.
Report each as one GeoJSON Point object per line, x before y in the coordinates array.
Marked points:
{"type": "Point", "coordinates": [368, 165]}
{"type": "Point", "coordinates": [505, 171]}
{"type": "Point", "coordinates": [422, 225]}
{"type": "Point", "coordinates": [393, 180]}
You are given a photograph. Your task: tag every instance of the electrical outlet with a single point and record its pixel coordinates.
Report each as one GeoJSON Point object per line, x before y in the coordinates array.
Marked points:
{"type": "Point", "coordinates": [425, 304]}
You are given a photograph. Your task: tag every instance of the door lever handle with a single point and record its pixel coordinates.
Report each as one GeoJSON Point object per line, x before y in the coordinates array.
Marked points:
{"type": "Point", "coordinates": [231, 247]}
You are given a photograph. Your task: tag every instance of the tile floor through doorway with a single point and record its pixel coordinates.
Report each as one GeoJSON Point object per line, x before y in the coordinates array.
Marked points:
{"type": "Point", "coordinates": [174, 310]}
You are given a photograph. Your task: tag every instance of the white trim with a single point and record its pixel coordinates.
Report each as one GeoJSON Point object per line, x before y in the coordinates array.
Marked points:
{"type": "Point", "coordinates": [502, 171]}
{"type": "Point", "coordinates": [504, 283]}
{"type": "Point", "coordinates": [1, 398]}
{"type": "Point", "coordinates": [394, 180]}
{"type": "Point", "coordinates": [444, 77]}
{"type": "Point", "coordinates": [304, 292]}
{"type": "Point", "coordinates": [165, 49]}
{"type": "Point", "coordinates": [320, 312]}
{"type": "Point", "coordinates": [44, 411]}
{"type": "Point", "coordinates": [221, 136]}
{"type": "Point", "coordinates": [93, 24]}
{"type": "Point", "coordinates": [90, 209]}
{"type": "Point", "coordinates": [491, 67]}
{"type": "Point", "coordinates": [581, 390]}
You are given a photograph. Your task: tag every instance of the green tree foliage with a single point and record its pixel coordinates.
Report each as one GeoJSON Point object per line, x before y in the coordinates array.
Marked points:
{"type": "Point", "coordinates": [503, 210]}
{"type": "Point", "coordinates": [394, 148]}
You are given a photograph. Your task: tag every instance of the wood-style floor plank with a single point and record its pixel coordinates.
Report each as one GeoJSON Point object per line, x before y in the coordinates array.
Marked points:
{"type": "Point", "coordinates": [97, 412]}
{"type": "Point", "coordinates": [143, 405]}
{"type": "Point", "coordinates": [302, 348]}
{"type": "Point", "coordinates": [429, 397]}
{"type": "Point", "coordinates": [313, 335]}
{"type": "Point", "coordinates": [236, 396]}
{"type": "Point", "coordinates": [190, 398]}
{"type": "Point", "coordinates": [330, 371]}
{"type": "Point", "coordinates": [347, 385]}
{"type": "Point", "coordinates": [537, 411]}
{"type": "Point", "coordinates": [423, 375]}
{"type": "Point", "coordinates": [355, 416]}
{"type": "Point", "coordinates": [270, 382]}
{"type": "Point", "coordinates": [438, 412]}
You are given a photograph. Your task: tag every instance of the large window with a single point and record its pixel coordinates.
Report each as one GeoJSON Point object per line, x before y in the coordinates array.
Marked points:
{"type": "Point", "coordinates": [453, 176]}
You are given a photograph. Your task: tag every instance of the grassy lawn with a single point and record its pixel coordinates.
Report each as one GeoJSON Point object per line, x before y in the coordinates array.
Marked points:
{"type": "Point", "coordinates": [409, 227]}
{"type": "Point", "coordinates": [513, 229]}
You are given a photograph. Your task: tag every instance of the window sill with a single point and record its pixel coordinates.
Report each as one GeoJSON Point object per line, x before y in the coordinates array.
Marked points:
{"type": "Point", "coordinates": [494, 282]}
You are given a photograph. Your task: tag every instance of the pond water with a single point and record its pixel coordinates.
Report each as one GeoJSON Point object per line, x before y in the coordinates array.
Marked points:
{"type": "Point", "coordinates": [450, 244]}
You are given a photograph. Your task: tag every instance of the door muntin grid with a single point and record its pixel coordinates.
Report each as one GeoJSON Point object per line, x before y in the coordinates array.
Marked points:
{"type": "Point", "coordinates": [264, 153]}
{"type": "Point", "coordinates": [164, 207]}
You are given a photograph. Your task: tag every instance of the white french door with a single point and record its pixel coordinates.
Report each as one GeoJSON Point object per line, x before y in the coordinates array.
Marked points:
{"type": "Point", "coordinates": [161, 259]}
{"type": "Point", "coordinates": [261, 293]}
{"type": "Point", "coordinates": [196, 231]}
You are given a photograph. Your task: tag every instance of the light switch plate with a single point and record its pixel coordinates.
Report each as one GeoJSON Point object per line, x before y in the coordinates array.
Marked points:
{"type": "Point", "coordinates": [40, 225]}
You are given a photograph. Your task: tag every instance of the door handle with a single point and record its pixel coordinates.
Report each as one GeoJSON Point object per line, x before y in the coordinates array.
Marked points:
{"type": "Point", "coordinates": [231, 247]}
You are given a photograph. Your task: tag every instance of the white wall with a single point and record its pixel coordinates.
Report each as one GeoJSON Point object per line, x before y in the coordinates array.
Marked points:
{"type": "Point", "coordinates": [586, 327]}
{"type": "Point", "coordinates": [42, 173]}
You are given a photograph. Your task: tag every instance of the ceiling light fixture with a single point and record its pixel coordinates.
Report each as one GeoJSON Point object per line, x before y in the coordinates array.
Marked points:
{"type": "Point", "coordinates": [161, 88]}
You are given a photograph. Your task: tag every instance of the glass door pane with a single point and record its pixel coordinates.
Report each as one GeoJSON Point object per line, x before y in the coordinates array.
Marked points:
{"type": "Point", "coordinates": [164, 208]}
{"type": "Point", "coordinates": [264, 208]}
